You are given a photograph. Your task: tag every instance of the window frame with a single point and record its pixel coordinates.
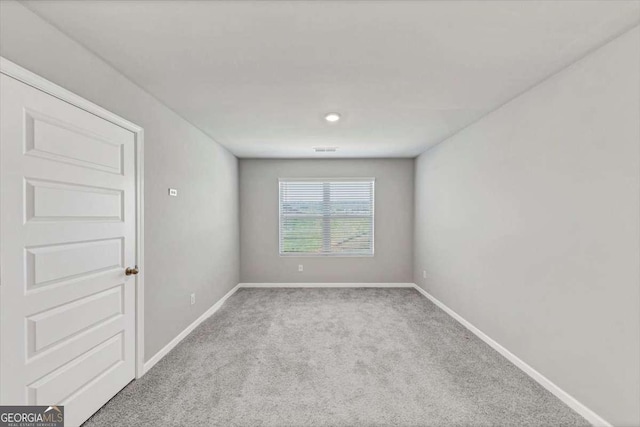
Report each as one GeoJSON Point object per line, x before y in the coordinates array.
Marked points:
{"type": "Point", "coordinates": [329, 254]}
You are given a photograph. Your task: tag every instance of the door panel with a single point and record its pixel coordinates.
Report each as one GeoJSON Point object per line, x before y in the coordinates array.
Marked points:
{"type": "Point", "coordinates": [71, 377]}
{"type": "Point", "coordinates": [46, 200]}
{"type": "Point", "coordinates": [55, 263]}
{"type": "Point", "coordinates": [59, 323]}
{"type": "Point", "coordinates": [48, 137]}
{"type": "Point", "coordinates": [68, 233]}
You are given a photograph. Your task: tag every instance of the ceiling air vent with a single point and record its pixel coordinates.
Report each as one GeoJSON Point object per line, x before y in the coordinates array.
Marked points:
{"type": "Point", "coordinates": [325, 149]}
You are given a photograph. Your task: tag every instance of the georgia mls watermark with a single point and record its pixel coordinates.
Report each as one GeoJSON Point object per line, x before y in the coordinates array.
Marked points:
{"type": "Point", "coordinates": [31, 416]}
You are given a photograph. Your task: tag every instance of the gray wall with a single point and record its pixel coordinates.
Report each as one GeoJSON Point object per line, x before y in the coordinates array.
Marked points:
{"type": "Point", "coordinates": [527, 225]}
{"type": "Point", "coordinates": [260, 261]}
{"type": "Point", "coordinates": [191, 242]}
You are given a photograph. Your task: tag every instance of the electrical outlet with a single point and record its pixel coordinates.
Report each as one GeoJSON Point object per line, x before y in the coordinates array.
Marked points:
{"type": "Point", "coordinates": [173, 192]}
{"type": "Point", "coordinates": [424, 274]}
{"type": "Point", "coordinates": [193, 299]}
{"type": "Point", "coordinates": [300, 267]}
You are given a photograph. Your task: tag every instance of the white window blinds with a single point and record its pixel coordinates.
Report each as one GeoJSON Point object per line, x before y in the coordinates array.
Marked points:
{"type": "Point", "coordinates": [327, 217]}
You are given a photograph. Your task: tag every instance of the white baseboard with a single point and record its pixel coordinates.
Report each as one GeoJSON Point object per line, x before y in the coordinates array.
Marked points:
{"type": "Point", "coordinates": [565, 397]}
{"type": "Point", "coordinates": [174, 342]}
{"type": "Point", "coordinates": [326, 285]}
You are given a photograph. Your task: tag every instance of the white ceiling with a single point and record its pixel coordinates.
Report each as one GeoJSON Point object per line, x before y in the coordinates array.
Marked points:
{"type": "Point", "coordinates": [258, 76]}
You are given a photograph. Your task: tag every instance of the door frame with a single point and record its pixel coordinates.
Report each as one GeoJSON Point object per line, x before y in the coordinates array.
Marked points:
{"type": "Point", "coordinates": [17, 72]}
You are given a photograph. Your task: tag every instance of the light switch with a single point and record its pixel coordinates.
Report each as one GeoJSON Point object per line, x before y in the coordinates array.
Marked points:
{"type": "Point", "coordinates": [173, 192]}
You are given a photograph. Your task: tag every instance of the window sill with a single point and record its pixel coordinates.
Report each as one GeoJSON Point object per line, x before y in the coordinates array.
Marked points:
{"type": "Point", "coordinates": [327, 255]}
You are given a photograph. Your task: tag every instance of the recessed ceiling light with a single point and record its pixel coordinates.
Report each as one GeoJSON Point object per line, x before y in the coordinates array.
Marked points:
{"type": "Point", "coordinates": [332, 117]}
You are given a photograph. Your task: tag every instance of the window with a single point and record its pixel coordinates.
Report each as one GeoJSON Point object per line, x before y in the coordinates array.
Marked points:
{"type": "Point", "coordinates": [326, 217]}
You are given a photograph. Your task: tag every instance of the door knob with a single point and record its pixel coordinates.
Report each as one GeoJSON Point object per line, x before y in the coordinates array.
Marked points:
{"type": "Point", "coordinates": [129, 271]}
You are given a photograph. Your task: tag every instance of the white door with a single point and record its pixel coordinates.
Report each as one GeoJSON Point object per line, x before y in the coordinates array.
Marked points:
{"type": "Point", "coordinates": [67, 228]}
